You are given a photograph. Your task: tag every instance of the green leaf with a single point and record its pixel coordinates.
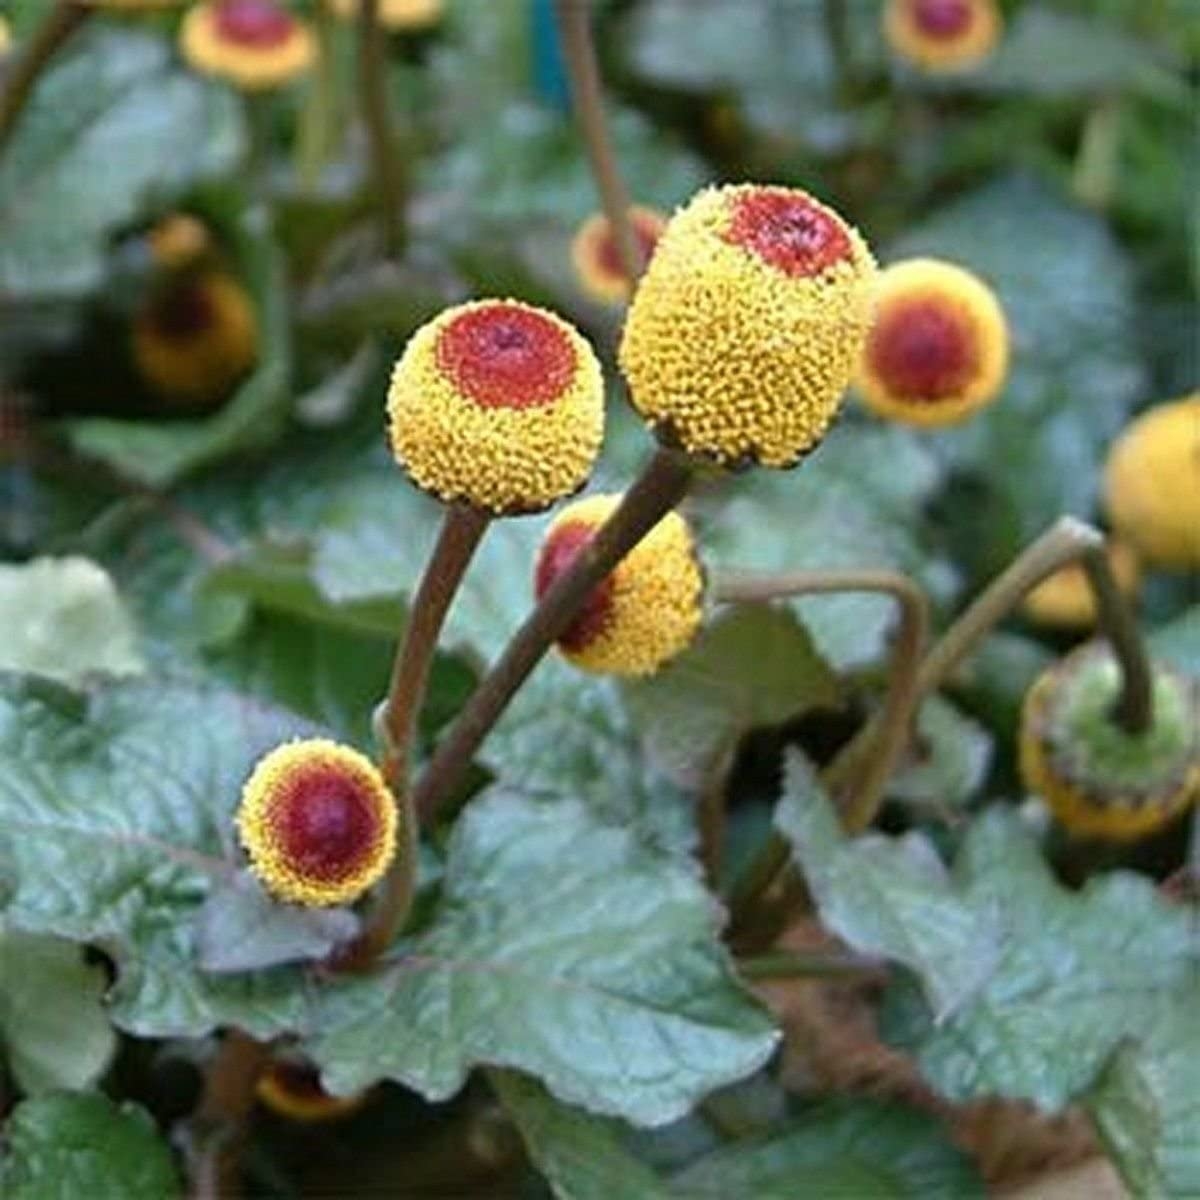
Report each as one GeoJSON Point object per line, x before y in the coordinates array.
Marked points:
{"type": "Point", "coordinates": [565, 948]}
{"type": "Point", "coordinates": [116, 808]}
{"type": "Point", "coordinates": [1178, 642]}
{"type": "Point", "coordinates": [53, 1025]}
{"type": "Point", "coordinates": [752, 665]}
{"type": "Point", "coordinates": [158, 453]}
{"type": "Point", "coordinates": [844, 1150]}
{"type": "Point", "coordinates": [100, 134]}
{"type": "Point", "coordinates": [1067, 292]}
{"type": "Point", "coordinates": [67, 1146]}
{"type": "Point", "coordinates": [1025, 989]}
{"type": "Point", "coordinates": [580, 1155]}
{"type": "Point", "coordinates": [855, 502]}
{"type": "Point", "coordinates": [950, 761]}
{"type": "Point", "coordinates": [62, 618]}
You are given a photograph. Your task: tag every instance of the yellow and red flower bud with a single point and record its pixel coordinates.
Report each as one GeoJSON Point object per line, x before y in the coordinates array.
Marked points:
{"type": "Point", "coordinates": [597, 257]}
{"type": "Point", "coordinates": [254, 44]}
{"type": "Point", "coordinates": [942, 35]}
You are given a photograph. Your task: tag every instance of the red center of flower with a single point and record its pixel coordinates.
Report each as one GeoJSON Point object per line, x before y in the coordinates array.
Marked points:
{"type": "Point", "coordinates": [923, 349]}
{"type": "Point", "coordinates": [327, 823]}
{"type": "Point", "coordinates": [646, 232]}
{"type": "Point", "coordinates": [183, 311]}
{"type": "Point", "coordinates": [942, 19]}
{"type": "Point", "coordinates": [559, 551]}
{"type": "Point", "coordinates": [503, 356]}
{"type": "Point", "coordinates": [788, 230]}
{"type": "Point", "coordinates": [259, 24]}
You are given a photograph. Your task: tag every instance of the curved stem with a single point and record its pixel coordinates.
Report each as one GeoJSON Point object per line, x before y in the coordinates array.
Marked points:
{"type": "Point", "coordinates": [576, 36]}
{"type": "Point", "coordinates": [61, 21]}
{"type": "Point", "coordinates": [657, 490]}
{"type": "Point", "coordinates": [1134, 710]}
{"type": "Point", "coordinates": [390, 180]}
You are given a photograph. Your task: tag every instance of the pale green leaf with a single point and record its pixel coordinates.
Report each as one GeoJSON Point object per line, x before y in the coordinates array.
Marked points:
{"type": "Point", "coordinates": [948, 762]}
{"type": "Point", "coordinates": [1177, 643]}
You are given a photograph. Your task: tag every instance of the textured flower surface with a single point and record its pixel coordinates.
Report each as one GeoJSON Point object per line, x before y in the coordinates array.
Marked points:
{"type": "Point", "coordinates": [397, 15]}
{"type": "Point", "coordinates": [938, 350]}
{"type": "Point", "coordinates": [499, 405]}
{"type": "Point", "coordinates": [747, 325]}
{"type": "Point", "coordinates": [1065, 600]}
{"type": "Point", "coordinates": [942, 35]}
{"type": "Point", "coordinates": [293, 1090]}
{"type": "Point", "coordinates": [195, 338]}
{"type": "Point", "coordinates": [318, 823]}
{"type": "Point", "coordinates": [1152, 483]}
{"type": "Point", "coordinates": [646, 611]}
{"type": "Point", "coordinates": [254, 44]}
{"type": "Point", "coordinates": [597, 259]}
{"type": "Point", "coordinates": [1098, 780]}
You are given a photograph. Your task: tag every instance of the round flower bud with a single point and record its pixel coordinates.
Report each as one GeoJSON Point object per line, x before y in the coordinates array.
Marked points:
{"type": "Point", "coordinates": [938, 350]}
{"type": "Point", "coordinates": [641, 615]}
{"type": "Point", "coordinates": [254, 44]}
{"type": "Point", "coordinates": [195, 338]}
{"type": "Point", "coordinates": [1097, 779]}
{"type": "Point", "coordinates": [318, 823]}
{"type": "Point", "coordinates": [397, 15]}
{"type": "Point", "coordinates": [179, 240]}
{"type": "Point", "coordinates": [1065, 600]}
{"type": "Point", "coordinates": [597, 257]}
{"type": "Point", "coordinates": [942, 35]}
{"type": "Point", "coordinates": [1152, 484]}
{"type": "Point", "coordinates": [747, 325]}
{"type": "Point", "coordinates": [497, 404]}
{"type": "Point", "coordinates": [293, 1090]}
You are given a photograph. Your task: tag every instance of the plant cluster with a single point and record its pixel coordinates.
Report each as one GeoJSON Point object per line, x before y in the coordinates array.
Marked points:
{"type": "Point", "coordinates": [530, 664]}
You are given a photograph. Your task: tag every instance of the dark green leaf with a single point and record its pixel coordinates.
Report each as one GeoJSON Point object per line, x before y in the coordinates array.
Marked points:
{"type": "Point", "coordinates": [563, 947]}
{"type": "Point", "coordinates": [69, 1146]}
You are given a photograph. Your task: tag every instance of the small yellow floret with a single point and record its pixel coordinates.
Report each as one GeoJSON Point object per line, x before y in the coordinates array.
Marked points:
{"type": "Point", "coordinates": [597, 260]}
{"type": "Point", "coordinates": [938, 350]}
{"type": "Point", "coordinates": [318, 823]}
{"type": "Point", "coordinates": [1152, 484]}
{"type": "Point", "coordinates": [971, 38]}
{"type": "Point", "coordinates": [729, 354]}
{"type": "Point", "coordinates": [536, 437]}
{"type": "Point", "coordinates": [195, 361]}
{"type": "Point", "coordinates": [397, 14]}
{"type": "Point", "coordinates": [1065, 600]}
{"type": "Point", "coordinates": [647, 611]}
{"type": "Point", "coordinates": [294, 1091]}
{"type": "Point", "coordinates": [249, 67]}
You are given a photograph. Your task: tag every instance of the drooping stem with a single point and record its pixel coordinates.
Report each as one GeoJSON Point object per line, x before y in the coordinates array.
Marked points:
{"type": "Point", "coordinates": [316, 118]}
{"type": "Point", "coordinates": [60, 22]}
{"type": "Point", "coordinates": [220, 1117]}
{"type": "Point", "coordinates": [873, 760]}
{"type": "Point", "coordinates": [1134, 710]}
{"type": "Point", "coordinates": [657, 490]}
{"type": "Point", "coordinates": [390, 182]}
{"type": "Point", "coordinates": [575, 33]}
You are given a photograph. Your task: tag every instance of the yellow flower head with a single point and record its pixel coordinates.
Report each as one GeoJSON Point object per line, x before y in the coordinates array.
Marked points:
{"type": "Point", "coordinates": [497, 404]}
{"type": "Point", "coordinates": [178, 241]}
{"type": "Point", "coordinates": [1152, 484]}
{"type": "Point", "coordinates": [597, 259]}
{"type": "Point", "coordinates": [293, 1090]}
{"type": "Point", "coordinates": [938, 350]}
{"type": "Point", "coordinates": [318, 823]}
{"type": "Point", "coordinates": [254, 44]}
{"type": "Point", "coordinates": [942, 35]}
{"type": "Point", "coordinates": [398, 15]}
{"type": "Point", "coordinates": [646, 611]}
{"type": "Point", "coordinates": [1064, 600]}
{"type": "Point", "coordinates": [1098, 780]}
{"type": "Point", "coordinates": [747, 325]}
{"type": "Point", "coordinates": [195, 338]}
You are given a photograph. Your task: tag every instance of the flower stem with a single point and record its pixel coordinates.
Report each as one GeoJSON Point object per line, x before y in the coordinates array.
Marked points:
{"type": "Point", "coordinates": [710, 814]}
{"type": "Point", "coordinates": [657, 490]}
{"type": "Point", "coordinates": [220, 1117]}
{"type": "Point", "coordinates": [316, 118]}
{"type": "Point", "coordinates": [60, 22]}
{"type": "Point", "coordinates": [837, 34]}
{"type": "Point", "coordinates": [390, 182]}
{"type": "Point", "coordinates": [889, 732]}
{"type": "Point", "coordinates": [791, 964]}
{"type": "Point", "coordinates": [575, 32]}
